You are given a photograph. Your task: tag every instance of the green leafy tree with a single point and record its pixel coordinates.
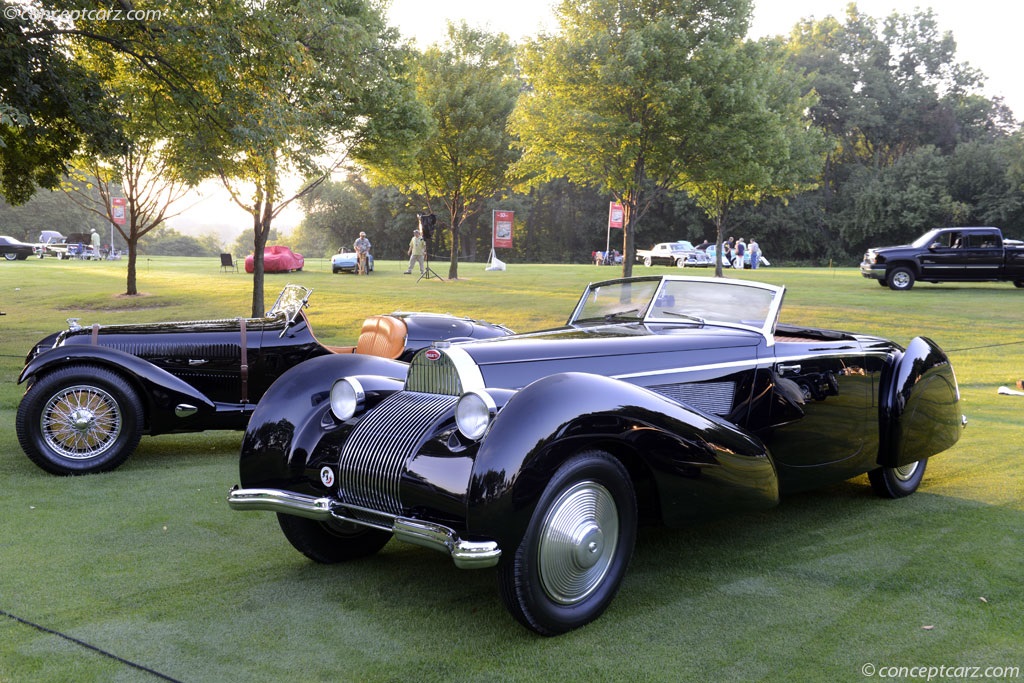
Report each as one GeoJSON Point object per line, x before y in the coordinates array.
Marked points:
{"type": "Point", "coordinates": [619, 97]}
{"type": "Point", "coordinates": [50, 106]}
{"type": "Point", "coordinates": [283, 89]}
{"type": "Point", "coordinates": [468, 88]}
{"type": "Point", "coordinates": [763, 146]}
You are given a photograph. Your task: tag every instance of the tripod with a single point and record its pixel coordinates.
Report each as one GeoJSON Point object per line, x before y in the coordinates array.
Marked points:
{"type": "Point", "coordinates": [428, 272]}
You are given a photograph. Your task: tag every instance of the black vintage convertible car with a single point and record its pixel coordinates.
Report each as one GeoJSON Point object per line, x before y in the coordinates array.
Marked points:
{"type": "Point", "coordinates": [662, 400]}
{"type": "Point", "coordinates": [93, 391]}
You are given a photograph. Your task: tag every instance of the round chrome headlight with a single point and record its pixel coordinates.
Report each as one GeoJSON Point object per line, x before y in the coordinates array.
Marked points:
{"type": "Point", "coordinates": [347, 397]}
{"type": "Point", "coordinates": [473, 414]}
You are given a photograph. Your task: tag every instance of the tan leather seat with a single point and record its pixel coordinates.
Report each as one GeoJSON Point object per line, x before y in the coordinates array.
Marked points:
{"type": "Point", "coordinates": [382, 336]}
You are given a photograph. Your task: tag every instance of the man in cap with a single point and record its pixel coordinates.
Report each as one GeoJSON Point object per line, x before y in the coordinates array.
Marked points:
{"type": "Point", "coordinates": [362, 247]}
{"type": "Point", "coordinates": [417, 250]}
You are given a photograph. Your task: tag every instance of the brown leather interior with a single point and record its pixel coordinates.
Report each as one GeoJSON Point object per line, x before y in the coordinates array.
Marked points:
{"type": "Point", "coordinates": [382, 335]}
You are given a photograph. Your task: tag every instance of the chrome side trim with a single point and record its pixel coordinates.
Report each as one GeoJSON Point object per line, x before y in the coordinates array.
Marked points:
{"type": "Point", "coordinates": [465, 554]}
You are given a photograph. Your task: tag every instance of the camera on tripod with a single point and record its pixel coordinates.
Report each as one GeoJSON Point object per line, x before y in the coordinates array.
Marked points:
{"type": "Point", "coordinates": [428, 223]}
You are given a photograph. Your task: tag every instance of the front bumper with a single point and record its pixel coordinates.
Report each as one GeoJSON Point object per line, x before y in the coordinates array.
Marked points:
{"type": "Point", "coordinates": [875, 271]}
{"type": "Point", "coordinates": [465, 554]}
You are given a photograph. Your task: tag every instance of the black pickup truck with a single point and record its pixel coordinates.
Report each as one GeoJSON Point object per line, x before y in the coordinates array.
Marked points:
{"type": "Point", "coordinates": [947, 255]}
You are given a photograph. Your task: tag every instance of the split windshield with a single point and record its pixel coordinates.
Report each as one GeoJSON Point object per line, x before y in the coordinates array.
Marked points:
{"type": "Point", "coordinates": [693, 300]}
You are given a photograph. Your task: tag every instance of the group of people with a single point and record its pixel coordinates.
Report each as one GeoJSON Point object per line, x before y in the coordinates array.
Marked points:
{"type": "Point", "coordinates": [417, 252]}
{"type": "Point", "coordinates": [736, 252]}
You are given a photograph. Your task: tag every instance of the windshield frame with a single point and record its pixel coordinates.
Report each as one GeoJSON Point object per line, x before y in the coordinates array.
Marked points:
{"type": "Point", "coordinates": [647, 312]}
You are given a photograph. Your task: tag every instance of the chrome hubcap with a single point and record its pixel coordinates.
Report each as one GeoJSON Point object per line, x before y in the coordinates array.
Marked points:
{"type": "Point", "coordinates": [579, 535]}
{"type": "Point", "coordinates": [81, 422]}
{"type": "Point", "coordinates": [905, 472]}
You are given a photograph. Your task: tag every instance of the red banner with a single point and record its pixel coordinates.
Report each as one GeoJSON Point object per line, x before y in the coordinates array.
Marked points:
{"type": "Point", "coordinates": [616, 215]}
{"type": "Point", "coordinates": [502, 229]}
{"type": "Point", "coordinates": [117, 206]}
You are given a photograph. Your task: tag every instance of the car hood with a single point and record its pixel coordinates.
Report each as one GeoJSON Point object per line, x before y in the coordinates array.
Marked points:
{"type": "Point", "coordinates": [882, 250]}
{"type": "Point", "coordinates": [611, 350]}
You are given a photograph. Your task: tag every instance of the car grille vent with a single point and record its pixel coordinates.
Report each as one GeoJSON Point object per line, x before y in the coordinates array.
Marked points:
{"type": "Point", "coordinates": [715, 398]}
{"type": "Point", "coordinates": [433, 376]}
{"type": "Point", "coordinates": [374, 456]}
{"type": "Point", "coordinates": [179, 350]}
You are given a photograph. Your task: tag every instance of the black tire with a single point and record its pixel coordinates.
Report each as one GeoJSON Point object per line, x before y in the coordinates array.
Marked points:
{"type": "Point", "coordinates": [897, 482]}
{"type": "Point", "coordinates": [1019, 284]}
{"type": "Point", "coordinates": [882, 282]}
{"type": "Point", "coordinates": [10, 256]}
{"type": "Point", "coordinates": [335, 270]}
{"type": "Point", "coordinates": [330, 543]}
{"type": "Point", "coordinates": [680, 263]}
{"type": "Point", "coordinates": [79, 420]}
{"type": "Point", "coordinates": [647, 261]}
{"type": "Point", "coordinates": [900, 279]}
{"type": "Point", "coordinates": [569, 565]}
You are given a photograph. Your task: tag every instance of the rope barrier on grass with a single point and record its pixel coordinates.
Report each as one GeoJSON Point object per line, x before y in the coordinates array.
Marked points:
{"type": "Point", "coordinates": [86, 645]}
{"type": "Point", "coordinates": [986, 346]}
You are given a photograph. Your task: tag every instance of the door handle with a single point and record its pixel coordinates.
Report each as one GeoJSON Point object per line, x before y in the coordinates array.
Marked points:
{"type": "Point", "coordinates": [783, 369]}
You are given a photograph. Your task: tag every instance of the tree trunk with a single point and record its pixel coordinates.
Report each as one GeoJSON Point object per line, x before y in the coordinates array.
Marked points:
{"type": "Point", "coordinates": [259, 242]}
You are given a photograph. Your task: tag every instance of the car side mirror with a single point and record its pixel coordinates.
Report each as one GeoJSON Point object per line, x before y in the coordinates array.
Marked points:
{"type": "Point", "coordinates": [935, 245]}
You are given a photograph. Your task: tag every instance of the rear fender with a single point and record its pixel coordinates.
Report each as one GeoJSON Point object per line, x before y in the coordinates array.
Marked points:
{"type": "Point", "coordinates": [920, 406]}
{"type": "Point", "coordinates": [697, 463]}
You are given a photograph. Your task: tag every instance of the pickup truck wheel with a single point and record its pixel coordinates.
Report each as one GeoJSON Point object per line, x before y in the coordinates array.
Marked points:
{"type": "Point", "coordinates": [79, 420]}
{"type": "Point", "coordinates": [882, 283]}
{"type": "Point", "coordinates": [897, 482]}
{"type": "Point", "coordinates": [647, 261]}
{"type": "Point", "coordinates": [901, 279]}
{"type": "Point", "coordinates": [331, 542]}
{"type": "Point", "coordinates": [1019, 284]}
{"type": "Point", "coordinates": [574, 554]}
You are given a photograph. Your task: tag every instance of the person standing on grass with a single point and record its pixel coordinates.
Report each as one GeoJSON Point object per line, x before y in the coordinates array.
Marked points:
{"type": "Point", "coordinates": [362, 247]}
{"type": "Point", "coordinates": [417, 250]}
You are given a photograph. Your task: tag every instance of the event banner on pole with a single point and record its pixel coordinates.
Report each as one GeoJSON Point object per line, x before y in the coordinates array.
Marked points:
{"type": "Point", "coordinates": [117, 209]}
{"type": "Point", "coordinates": [502, 229]}
{"type": "Point", "coordinates": [616, 215]}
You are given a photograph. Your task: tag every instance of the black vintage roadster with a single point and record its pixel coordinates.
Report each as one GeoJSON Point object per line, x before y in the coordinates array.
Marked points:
{"type": "Point", "coordinates": [662, 400]}
{"type": "Point", "coordinates": [93, 391]}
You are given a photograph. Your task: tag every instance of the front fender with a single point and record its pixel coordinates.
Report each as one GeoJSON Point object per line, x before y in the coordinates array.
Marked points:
{"type": "Point", "coordinates": [698, 463]}
{"type": "Point", "coordinates": [158, 389]}
{"type": "Point", "coordinates": [920, 406]}
{"type": "Point", "coordinates": [286, 425]}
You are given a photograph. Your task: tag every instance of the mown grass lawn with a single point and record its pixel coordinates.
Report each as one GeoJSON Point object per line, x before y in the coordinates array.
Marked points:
{"type": "Point", "coordinates": [149, 565]}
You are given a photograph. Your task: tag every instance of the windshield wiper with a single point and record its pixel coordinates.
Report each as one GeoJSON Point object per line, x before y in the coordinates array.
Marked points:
{"type": "Point", "coordinates": [694, 318]}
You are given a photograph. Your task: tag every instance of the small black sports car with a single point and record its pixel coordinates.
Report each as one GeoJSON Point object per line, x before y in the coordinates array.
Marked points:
{"type": "Point", "coordinates": [93, 391]}
{"type": "Point", "coordinates": [663, 399]}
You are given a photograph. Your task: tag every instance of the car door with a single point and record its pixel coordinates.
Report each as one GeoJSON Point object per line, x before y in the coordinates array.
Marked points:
{"type": "Point", "coordinates": [945, 258]}
{"type": "Point", "coordinates": [984, 255]}
{"type": "Point", "coordinates": [824, 417]}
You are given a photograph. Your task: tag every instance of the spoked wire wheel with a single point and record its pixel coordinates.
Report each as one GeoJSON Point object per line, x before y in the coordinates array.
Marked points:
{"type": "Point", "coordinates": [80, 419]}
{"type": "Point", "coordinates": [81, 422]}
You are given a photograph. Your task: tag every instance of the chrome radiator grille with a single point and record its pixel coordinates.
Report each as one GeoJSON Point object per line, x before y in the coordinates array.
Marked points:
{"type": "Point", "coordinates": [434, 377]}
{"type": "Point", "coordinates": [374, 455]}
